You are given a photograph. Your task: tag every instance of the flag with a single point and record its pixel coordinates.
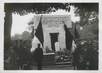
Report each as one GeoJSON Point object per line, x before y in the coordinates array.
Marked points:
{"type": "Point", "coordinates": [39, 32]}
{"type": "Point", "coordinates": [69, 38]}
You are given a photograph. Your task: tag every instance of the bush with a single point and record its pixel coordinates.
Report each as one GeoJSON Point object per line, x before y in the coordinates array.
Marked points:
{"type": "Point", "coordinates": [88, 51]}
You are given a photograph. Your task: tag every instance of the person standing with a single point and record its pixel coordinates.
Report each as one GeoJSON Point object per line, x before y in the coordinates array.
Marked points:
{"type": "Point", "coordinates": [76, 57]}
{"type": "Point", "coordinates": [38, 57]}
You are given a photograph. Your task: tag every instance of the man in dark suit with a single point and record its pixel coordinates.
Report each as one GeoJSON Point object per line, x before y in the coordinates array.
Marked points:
{"type": "Point", "coordinates": [38, 57]}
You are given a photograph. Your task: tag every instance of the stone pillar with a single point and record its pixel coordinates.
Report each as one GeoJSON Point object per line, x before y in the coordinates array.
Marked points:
{"type": "Point", "coordinates": [47, 40]}
{"type": "Point", "coordinates": [61, 39]}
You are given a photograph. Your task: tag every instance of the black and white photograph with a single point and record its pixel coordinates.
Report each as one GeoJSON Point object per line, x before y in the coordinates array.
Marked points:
{"type": "Point", "coordinates": [51, 36]}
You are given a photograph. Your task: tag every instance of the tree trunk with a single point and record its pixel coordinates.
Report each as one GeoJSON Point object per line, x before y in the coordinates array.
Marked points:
{"type": "Point", "coordinates": [7, 29]}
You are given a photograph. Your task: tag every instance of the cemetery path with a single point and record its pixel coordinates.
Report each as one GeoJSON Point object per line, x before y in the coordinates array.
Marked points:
{"type": "Point", "coordinates": [56, 67]}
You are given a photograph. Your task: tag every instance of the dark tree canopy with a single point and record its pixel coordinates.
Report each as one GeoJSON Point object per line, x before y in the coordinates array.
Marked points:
{"type": "Point", "coordinates": [34, 7]}
{"type": "Point", "coordinates": [86, 6]}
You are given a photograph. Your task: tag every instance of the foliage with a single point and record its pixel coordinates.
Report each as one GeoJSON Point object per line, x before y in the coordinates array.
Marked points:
{"type": "Point", "coordinates": [63, 56]}
{"type": "Point", "coordinates": [24, 8]}
{"type": "Point", "coordinates": [84, 10]}
{"type": "Point", "coordinates": [87, 54]}
{"type": "Point", "coordinates": [17, 55]}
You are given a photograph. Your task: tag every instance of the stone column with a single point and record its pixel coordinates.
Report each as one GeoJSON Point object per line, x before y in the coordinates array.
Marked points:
{"type": "Point", "coordinates": [47, 40]}
{"type": "Point", "coordinates": [61, 39]}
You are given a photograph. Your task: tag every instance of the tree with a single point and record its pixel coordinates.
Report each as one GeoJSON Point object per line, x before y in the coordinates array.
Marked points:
{"type": "Point", "coordinates": [7, 29]}
{"type": "Point", "coordinates": [26, 35]}
{"type": "Point", "coordinates": [84, 10]}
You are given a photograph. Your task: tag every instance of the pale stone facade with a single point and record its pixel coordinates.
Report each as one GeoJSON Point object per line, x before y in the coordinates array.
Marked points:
{"type": "Point", "coordinates": [54, 24]}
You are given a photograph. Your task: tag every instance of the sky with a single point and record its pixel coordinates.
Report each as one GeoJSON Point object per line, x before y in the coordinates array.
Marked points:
{"type": "Point", "coordinates": [20, 23]}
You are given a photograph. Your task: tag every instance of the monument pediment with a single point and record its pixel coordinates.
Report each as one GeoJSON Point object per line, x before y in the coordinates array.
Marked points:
{"type": "Point", "coordinates": [56, 20]}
